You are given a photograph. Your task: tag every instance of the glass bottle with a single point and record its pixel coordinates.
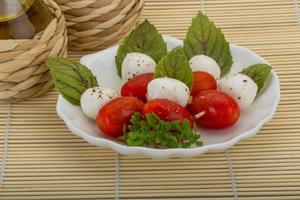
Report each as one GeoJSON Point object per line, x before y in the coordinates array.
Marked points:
{"type": "Point", "coordinates": [22, 19]}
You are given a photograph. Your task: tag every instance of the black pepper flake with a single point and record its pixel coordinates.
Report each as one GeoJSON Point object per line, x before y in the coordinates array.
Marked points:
{"type": "Point", "coordinates": [245, 81]}
{"type": "Point", "coordinates": [231, 89]}
{"type": "Point", "coordinates": [163, 87]}
{"type": "Point", "coordinates": [94, 90]}
{"type": "Point", "coordinates": [239, 97]}
{"type": "Point", "coordinates": [186, 89]}
{"type": "Point", "coordinates": [139, 64]}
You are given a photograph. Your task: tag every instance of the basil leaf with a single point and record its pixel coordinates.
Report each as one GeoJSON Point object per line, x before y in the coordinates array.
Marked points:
{"type": "Point", "coordinates": [203, 37]}
{"type": "Point", "coordinates": [143, 39]}
{"type": "Point", "coordinates": [259, 73]}
{"type": "Point", "coordinates": [71, 78]}
{"type": "Point", "coordinates": [175, 65]}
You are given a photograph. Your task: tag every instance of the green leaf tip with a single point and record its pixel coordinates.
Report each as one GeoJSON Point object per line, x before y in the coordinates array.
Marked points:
{"type": "Point", "coordinates": [175, 65]}
{"type": "Point", "coordinates": [259, 73]}
{"type": "Point", "coordinates": [203, 37]}
{"type": "Point", "coordinates": [70, 78]}
{"type": "Point", "coordinates": [143, 39]}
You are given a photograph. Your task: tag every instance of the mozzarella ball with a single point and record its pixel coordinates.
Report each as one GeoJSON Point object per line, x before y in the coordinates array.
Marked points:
{"type": "Point", "coordinates": [205, 64]}
{"type": "Point", "coordinates": [168, 88]}
{"type": "Point", "coordinates": [135, 64]}
{"type": "Point", "coordinates": [93, 99]}
{"type": "Point", "coordinates": [241, 87]}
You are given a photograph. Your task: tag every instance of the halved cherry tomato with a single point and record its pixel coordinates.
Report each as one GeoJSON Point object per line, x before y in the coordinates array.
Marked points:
{"type": "Point", "coordinates": [137, 87]}
{"type": "Point", "coordinates": [214, 109]}
{"type": "Point", "coordinates": [112, 117]}
{"type": "Point", "coordinates": [203, 81]}
{"type": "Point", "coordinates": [167, 110]}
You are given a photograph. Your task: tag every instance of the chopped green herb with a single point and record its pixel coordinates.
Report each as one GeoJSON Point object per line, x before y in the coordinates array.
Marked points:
{"type": "Point", "coordinates": [157, 133]}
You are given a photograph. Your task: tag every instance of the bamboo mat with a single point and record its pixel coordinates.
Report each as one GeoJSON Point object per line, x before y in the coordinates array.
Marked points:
{"type": "Point", "coordinates": [45, 161]}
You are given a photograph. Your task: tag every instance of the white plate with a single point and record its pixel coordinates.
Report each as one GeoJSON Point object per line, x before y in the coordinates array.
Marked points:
{"type": "Point", "coordinates": [251, 120]}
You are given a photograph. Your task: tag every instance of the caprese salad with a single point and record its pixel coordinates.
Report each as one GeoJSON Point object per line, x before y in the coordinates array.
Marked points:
{"type": "Point", "coordinates": [165, 95]}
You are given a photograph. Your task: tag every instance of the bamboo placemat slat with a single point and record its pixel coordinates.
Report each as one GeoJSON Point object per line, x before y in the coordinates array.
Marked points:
{"type": "Point", "coordinates": [45, 161]}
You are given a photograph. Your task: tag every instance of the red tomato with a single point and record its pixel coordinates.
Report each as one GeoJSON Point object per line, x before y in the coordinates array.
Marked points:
{"type": "Point", "coordinates": [137, 87]}
{"type": "Point", "coordinates": [214, 109]}
{"type": "Point", "coordinates": [167, 110]}
{"type": "Point", "coordinates": [112, 117]}
{"type": "Point", "coordinates": [203, 81]}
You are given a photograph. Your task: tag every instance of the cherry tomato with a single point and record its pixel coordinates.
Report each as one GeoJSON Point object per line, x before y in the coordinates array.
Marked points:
{"type": "Point", "coordinates": [137, 87]}
{"type": "Point", "coordinates": [167, 110]}
{"type": "Point", "coordinates": [112, 117]}
{"type": "Point", "coordinates": [214, 109]}
{"type": "Point", "coordinates": [203, 81]}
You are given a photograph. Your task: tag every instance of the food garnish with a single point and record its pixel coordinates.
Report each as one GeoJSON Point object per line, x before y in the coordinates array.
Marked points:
{"type": "Point", "coordinates": [259, 73]}
{"type": "Point", "coordinates": [175, 65]}
{"type": "Point", "coordinates": [157, 133]}
{"type": "Point", "coordinates": [203, 37]}
{"type": "Point", "coordinates": [71, 78]}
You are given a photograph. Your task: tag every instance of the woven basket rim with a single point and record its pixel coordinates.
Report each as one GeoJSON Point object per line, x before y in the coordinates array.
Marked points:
{"type": "Point", "coordinates": [81, 26]}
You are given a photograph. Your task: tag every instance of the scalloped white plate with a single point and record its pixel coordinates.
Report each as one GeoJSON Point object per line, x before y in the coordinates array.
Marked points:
{"type": "Point", "coordinates": [251, 120]}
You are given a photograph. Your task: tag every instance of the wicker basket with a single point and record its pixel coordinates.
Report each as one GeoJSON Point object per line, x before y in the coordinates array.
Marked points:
{"type": "Point", "coordinates": [98, 24]}
{"type": "Point", "coordinates": [23, 73]}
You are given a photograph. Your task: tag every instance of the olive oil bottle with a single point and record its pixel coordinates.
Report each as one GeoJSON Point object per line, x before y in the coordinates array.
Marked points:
{"type": "Point", "coordinates": [22, 19]}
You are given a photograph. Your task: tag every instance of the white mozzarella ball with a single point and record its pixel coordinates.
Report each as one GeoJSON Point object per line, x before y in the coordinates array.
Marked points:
{"type": "Point", "coordinates": [241, 87]}
{"type": "Point", "coordinates": [135, 64]}
{"type": "Point", "coordinates": [168, 88]}
{"type": "Point", "coordinates": [205, 64]}
{"type": "Point", "coordinates": [93, 99]}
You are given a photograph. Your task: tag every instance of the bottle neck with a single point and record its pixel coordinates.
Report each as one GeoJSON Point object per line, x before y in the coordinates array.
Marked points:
{"type": "Point", "coordinates": [11, 9]}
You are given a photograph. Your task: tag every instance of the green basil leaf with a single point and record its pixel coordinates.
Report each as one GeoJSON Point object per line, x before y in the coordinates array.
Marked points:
{"type": "Point", "coordinates": [143, 39]}
{"type": "Point", "coordinates": [259, 73]}
{"type": "Point", "coordinates": [175, 65]}
{"type": "Point", "coordinates": [70, 77]}
{"type": "Point", "coordinates": [203, 37]}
